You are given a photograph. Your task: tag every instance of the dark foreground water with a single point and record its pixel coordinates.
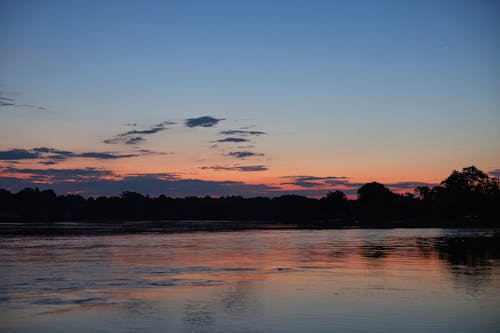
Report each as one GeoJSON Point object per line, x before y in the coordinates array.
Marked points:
{"type": "Point", "coordinates": [400, 280]}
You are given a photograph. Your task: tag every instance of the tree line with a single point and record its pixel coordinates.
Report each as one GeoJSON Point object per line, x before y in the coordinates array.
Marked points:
{"type": "Point", "coordinates": [468, 197]}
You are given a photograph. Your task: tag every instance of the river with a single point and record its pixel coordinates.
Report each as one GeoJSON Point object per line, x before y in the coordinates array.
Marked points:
{"type": "Point", "coordinates": [355, 280]}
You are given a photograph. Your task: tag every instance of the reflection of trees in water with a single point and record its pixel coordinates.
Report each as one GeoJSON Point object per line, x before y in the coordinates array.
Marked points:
{"type": "Point", "coordinates": [372, 250]}
{"type": "Point", "coordinates": [469, 252]}
{"type": "Point", "coordinates": [340, 249]}
{"type": "Point", "coordinates": [398, 247]}
{"type": "Point", "coordinates": [199, 316]}
{"type": "Point", "coordinates": [426, 247]}
{"type": "Point", "coordinates": [469, 259]}
{"type": "Point", "coordinates": [240, 301]}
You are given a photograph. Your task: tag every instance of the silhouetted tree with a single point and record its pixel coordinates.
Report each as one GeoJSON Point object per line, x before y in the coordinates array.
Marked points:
{"type": "Point", "coordinates": [376, 202]}
{"type": "Point", "coordinates": [469, 193]}
{"type": "Point", "coordinates": [335, 205]}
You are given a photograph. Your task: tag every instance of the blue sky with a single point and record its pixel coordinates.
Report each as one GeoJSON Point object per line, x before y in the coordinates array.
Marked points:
{"type": "Point", "coordinates": [394, 90]}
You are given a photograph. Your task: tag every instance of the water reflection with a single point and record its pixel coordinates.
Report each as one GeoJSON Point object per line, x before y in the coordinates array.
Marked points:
{"type": "Point", "coordinates": [253, 281]}
{"type": "Point", "coordinates": [239, 300]}
{"type": "Point", "coordinates": [374, 250]}
{"type": "Point", "coordinates": [199, 316]}
{"type": "Point", "coordinates": [469, 252]}
{"type": "Point", "coordinates": [470, 260]}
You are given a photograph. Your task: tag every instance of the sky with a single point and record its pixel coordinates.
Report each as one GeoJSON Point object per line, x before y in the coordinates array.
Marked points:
{"type": "Point", "coordinates": [246, 97]}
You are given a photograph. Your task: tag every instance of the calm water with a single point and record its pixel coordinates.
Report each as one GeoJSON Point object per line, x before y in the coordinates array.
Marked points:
{"type": "Point", "coordinates": [416, 280]}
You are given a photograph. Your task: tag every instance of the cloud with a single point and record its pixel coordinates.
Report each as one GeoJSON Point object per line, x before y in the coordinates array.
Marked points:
{"type": "Point", "coordinates": [137, 136]}
{"type": "Point", "coordinates": [304, 184]}
{"type": "Point", "coordinates": [241, 168]}
{"type": "Point", "coordinates": [248, 127]}
{"type": "Point", "coordinates": [10, 102]}
{"type": "Point", "coordinates": [90, 183]}
{"type": "Point", "coordinates": [244, 154]}
{"type": "Point", "coordinates": [58, 175]}
{"type": "Point", "coordinates": [345, 185]}
{"type": "Point", "coordinates": [408, 185]}
{"type": "Point", "coordinates": [152, 130]}
{"type": "Point", "coordinates": [151, 152]}
{"type": "Point", "coordinates": [314, 178]}
{"type": "Point", "coordinates": [114, 140]}
{"type": "Point", "coordinates": [495, 173]}
{"type": "Point", "coordinates": [205, 121]}
{"type": "Point", "coordinates": [6, 101]}
{"type": "Point", "coordinates": [52, 155]}
{"type": "Point", "coordinates": [232, 140]}
{"type": "Point", "coordinates": [104, 156]}
{"type": "Point", "coordinates": [94, 182]}
{"type": "Point", "coordinates": [328, 182]}
{"type": "Point", "coordinates": [243, 133]}
{"type": "Point", "coordinates": [18, 154]}
{"type": "Point", "coordinates": [134, 140]}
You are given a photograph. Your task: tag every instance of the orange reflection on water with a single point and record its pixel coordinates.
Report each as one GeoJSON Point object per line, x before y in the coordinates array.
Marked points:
{"type": "Point", "coordinates": [236, 281]}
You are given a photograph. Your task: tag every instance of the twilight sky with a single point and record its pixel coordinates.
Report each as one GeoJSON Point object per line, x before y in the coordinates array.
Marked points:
{"type": "Point", "coordinates": [246, 97]}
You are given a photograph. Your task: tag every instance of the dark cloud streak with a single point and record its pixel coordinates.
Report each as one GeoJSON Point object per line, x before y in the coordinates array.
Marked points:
{"type": "Point", "coordinates": [61, 175]}
{"type": "Point", "coordinates": [18, 154]}
{"type": "Point", "coordinates": [244, 154]}
{"type": "Point", "coordinates": [205, 121]}
{"type": "Point", "coordinates": [137, 136]}
{"type": "Point", "coordinates": [51, 155]}
{"type": "Point", "coordinates": [333, 182]}
{"type": "Point", "coordinates": [10, 102]}
{"type": "Point", "coordinates": [237, 140]}
{"type": "Point", "coordinates": [495, 173]}
{"type": "Point", "coordinates": [243, 133]}
{"type": "Point", "coordinates": [241, 168]}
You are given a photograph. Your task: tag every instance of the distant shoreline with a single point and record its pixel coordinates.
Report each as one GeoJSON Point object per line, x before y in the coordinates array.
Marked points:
{"type": "Point", "coordinates": [137, 227]}
{"type": "Point", "coordinates": [466, 199]}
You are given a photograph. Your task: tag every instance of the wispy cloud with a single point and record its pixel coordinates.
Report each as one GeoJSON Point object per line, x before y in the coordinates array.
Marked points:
{"type": "Point", "coordinates": [495, 173]}
{"type": "Point", "coordinates": [243, 133]}
{"type": "Point", "coordinates": [230, 139]}
{"type": "Point", "coordinates": [52, 155]}
{"type": "Point", "coordinates": [344, 184]}
{"type": "Point", "coordinates": [151, 152]}
{"type": "Point", "coordinates": [18, 154]}
{"type": "Point", "coordinates": [408, 185]}
{"type": "Point", "coordinates": [11, 102]}
{"type": "Point", "coordinates": [205, 121]}
{"type": "Point", "coordinates": [244, 154]}
{"type": "Point", "coordinates": [6, 101]}
{"type": "Point", "coordinates": [134, 140]}
{"type": "Point", "coordinates": [58, 175]}
{"type": "Point", "coordinates": [137, 136]}
{"type": "Point", "coordinates": [241, 168]}
{"type": "Point", "coordinates": [104, 156]}
{"type": "Point", "coordinates": [313, 181]}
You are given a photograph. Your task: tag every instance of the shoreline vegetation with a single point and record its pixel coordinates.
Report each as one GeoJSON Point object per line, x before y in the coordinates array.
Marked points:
{"type": "Point", "coordinates": [467, 198]}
